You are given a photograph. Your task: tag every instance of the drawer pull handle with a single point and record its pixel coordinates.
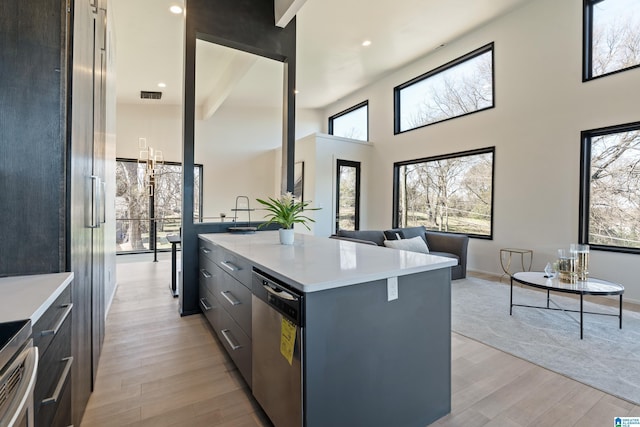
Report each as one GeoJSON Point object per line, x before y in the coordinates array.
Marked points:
{"type": "Point", "coordinates": [232, 301]}
{"type": "Point", "coordinates": [61, 320]}
{"type": "Point", "coordinates": [225, 333]}
{"type": "Point", "coordinates": [204, 304]}
{"type": "Point", "coordinates": [205, 273]}
{"type": "Point", "coordinates": [61, 381]}
{"type": "Point", "coordinates": [205, 250]}
{"type": "Point", "coordinates": [230, 266]}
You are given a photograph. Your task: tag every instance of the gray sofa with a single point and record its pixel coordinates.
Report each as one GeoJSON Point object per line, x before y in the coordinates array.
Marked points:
{"type": "Point", "coordinates": [443, 244]}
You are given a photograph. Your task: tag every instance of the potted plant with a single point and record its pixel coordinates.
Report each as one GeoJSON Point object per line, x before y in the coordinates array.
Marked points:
{"type": "Point", "coordinates": [286, 211]}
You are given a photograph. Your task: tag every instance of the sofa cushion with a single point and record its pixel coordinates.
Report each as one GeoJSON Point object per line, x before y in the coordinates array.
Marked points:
{"type": "Point", "coordinates": [375, 236]}
{"type": "Point", "coordinates": [414, 244]}
{"type": "Point", "coordinates": [447, 255]}
{"type": "Point", "coordinates": [406, 233]}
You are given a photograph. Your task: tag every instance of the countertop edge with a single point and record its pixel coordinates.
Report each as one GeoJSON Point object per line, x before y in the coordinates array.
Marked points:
{"type": "Point", "coordinates": [29, 297]}
{"type": "Point", "coordinates": [441, 262]}
{"type": "Point", "coordinates": [54, 295]}
{"type": "Point", "coordinates": [323, 286]}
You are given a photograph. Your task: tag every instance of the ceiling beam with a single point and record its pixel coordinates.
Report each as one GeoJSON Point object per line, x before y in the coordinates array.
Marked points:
{"type": "Point", "coordinates": [285, 10]}
{"type": "Point", "coordinates": [235, 71]}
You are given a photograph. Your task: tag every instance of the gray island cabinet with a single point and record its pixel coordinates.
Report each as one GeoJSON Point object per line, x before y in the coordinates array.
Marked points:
{"type": "Point", "coordinates": [375, 341]}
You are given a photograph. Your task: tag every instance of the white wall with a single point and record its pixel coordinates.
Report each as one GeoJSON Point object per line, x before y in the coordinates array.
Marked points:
{"type": "Point", "coordinates": [160, 124]}
{"type": "Point", "coordinates": [320, 153]}
{"type": "Point", "coordinates": [309, 121]}
{"type": "Point", "coordinates": [541, 105]}
{"type": "Point", "coordinates": [236, 147]}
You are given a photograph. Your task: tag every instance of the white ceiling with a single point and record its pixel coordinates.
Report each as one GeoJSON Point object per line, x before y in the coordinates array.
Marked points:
{"type": "Point", "coordinates": [331, 60]}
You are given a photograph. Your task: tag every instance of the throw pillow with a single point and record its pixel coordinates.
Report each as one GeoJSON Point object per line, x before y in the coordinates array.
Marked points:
{"type": "Point", "coordinates": [414, 244]}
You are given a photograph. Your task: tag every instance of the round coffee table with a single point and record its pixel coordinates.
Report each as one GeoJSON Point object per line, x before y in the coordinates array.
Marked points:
{"type": "Point", "coordinates": [587, 287]}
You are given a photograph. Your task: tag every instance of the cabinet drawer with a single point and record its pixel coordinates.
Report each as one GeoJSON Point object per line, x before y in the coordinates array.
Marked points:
{"type": "Point", "coordinates": [209, 306]}
{"type": "Point", "coordinates": [231, 263]}
{"type": "Point", "coordinates": [210, 275]}
{"type": "Point", "coordinates": [48, 326]}
{"type": "Point", "coordinates": [236, 266]}
{"type": "Point", "coordinates": [54, 371]}
{"type": "Point", "coordinates": [206, 249]}
{"type": "Point", "coordinates": [58, 415]}
{"type": "Point", "coordinates": [235, 299]}
{"type": "Point", "coordinates": [237, 344]}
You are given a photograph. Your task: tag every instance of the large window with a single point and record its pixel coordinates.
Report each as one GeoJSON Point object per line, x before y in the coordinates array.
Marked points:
{"type": "Point", "coordinates": [451, 193]}
{"type": "Point", "coordinates": [135, 204]}
{"type": "Point", "coordinates": [461, 87]}
{"type": "Point", "coordinates": [351, 123]}
{"type": "Point", "coordinates": [611, 36]}
{"type": "Point", "coordinates": [610, 188]}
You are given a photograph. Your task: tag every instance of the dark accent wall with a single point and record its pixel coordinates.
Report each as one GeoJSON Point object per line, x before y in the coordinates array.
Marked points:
{"type": "Point", "coordinates": [32, 136]}
{"type": "Point", "coordinates": [247, 25]}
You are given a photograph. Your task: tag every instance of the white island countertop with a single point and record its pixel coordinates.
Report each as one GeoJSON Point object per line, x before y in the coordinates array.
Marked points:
{"type": "Point", "coordinates": [28, 297]}
{"type": "Point", "coordinates": [319, 263]}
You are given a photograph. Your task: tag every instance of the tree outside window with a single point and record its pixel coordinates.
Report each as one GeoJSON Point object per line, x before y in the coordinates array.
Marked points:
{"type": "Point", "coordinates": [610, 188]}
{"type": "Point", "coordinates": [133, 203]}
{"type": "Point", "coordinates": [450, 193]}
{"type": "Point", "coordinates": [351, 123]}
{"type": "Point", "coordinates": [461, 87]}
{"type": "Point", "coordinates": [612, 36]}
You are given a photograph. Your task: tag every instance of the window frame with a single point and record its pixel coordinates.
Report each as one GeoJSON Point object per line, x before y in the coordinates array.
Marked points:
{"type": "Point", "coordinates": [585, 184]}
{"type": "Point", "coordinates": [396, 185]}
{"type": "Point", "coordinates": [489, 47]}
{"type": "Point", "coordinates": [587, 44]}
{"type": "Point", "coordinates": [347, 111]}
{"type": "Point", "coordinates": [357, 166]}
{"type": "Point", "coordinates": [200, 168]}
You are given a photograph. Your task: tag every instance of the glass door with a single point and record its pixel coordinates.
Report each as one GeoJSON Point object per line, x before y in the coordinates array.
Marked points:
{"type": "Point", "coordinates": [347, 195]}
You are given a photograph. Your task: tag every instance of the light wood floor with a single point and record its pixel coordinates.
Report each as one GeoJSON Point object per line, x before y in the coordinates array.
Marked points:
{"type": "Point", "coordinates": [158, 369]}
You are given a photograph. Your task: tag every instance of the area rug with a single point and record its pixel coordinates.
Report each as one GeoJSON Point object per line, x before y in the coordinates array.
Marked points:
{"type": "Point", "coordinates": [608, 358]}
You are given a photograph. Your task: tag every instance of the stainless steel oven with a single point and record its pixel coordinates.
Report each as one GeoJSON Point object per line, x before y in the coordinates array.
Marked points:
{"type": "Point", "coordinates": [18, 371]}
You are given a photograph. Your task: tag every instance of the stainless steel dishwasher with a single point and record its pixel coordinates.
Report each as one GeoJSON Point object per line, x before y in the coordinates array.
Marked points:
{"type": "Point", "coordinates": [277, 382]}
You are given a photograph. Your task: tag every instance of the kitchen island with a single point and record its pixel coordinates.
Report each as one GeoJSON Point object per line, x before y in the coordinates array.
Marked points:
{"type": "Point", "coordinates": [375, 335]}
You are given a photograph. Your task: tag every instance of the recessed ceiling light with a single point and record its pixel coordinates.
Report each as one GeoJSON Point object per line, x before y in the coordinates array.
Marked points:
{"type": "Point", "coordinates": [366, 43]}
{"type": "Point", "coordinates": [296, 91]}
{"type": "Point", "coordinates": [162, 84]}
{"type": "Point", "coordinates": [175, 9]}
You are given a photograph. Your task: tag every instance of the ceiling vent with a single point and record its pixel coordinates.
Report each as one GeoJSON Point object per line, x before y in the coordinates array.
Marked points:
{"type": "Point", "coordinates": [150, 95]}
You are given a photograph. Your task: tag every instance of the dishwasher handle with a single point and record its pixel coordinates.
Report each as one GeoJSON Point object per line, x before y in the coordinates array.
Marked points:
{"type": "Point", "coordinates": [280, 297]}
{"type": "Point", "coordinates": [278, 292]}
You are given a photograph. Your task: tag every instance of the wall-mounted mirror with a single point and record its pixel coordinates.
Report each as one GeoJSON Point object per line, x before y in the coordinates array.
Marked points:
{"type": "Point", "coordinates": [238, 129]}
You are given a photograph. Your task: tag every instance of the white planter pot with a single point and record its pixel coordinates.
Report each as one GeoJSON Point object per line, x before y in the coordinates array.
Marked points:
{"type": "Point", "coordinates": [286, 236]}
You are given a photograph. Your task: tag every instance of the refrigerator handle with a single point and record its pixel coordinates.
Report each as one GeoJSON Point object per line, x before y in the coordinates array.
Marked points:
{"type": "Point", "coordinates": [103, 201]}
{"type": "Point", "coordinates": [95, 201]}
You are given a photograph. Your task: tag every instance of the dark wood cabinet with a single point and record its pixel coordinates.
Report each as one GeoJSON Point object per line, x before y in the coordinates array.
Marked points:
{"type": "Point", "coordinates": [86, 200]}
{"type": "Point", "coordinates": [52, 336]}
{"type": "Point", "coordinates": [52, 139]}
